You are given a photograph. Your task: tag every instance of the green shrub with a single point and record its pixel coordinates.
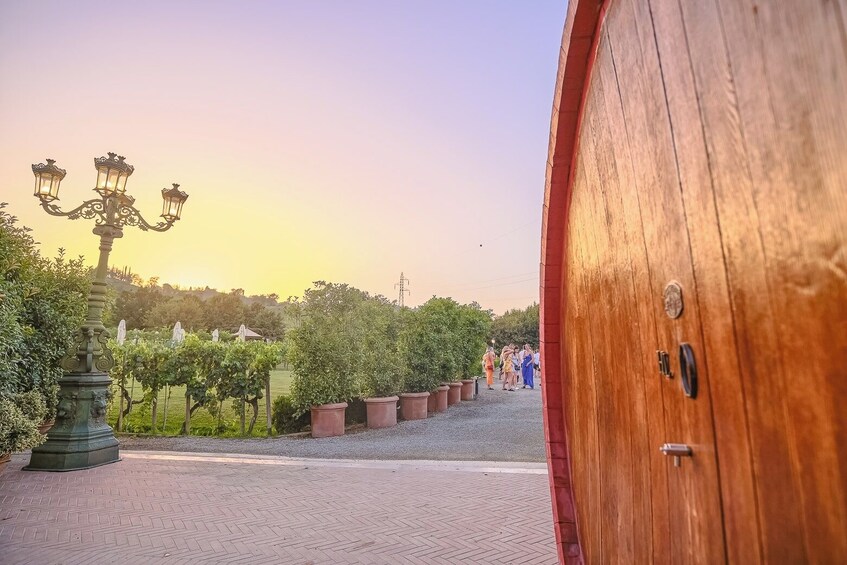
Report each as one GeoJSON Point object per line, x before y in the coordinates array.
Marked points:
{"type": "Point", "coordinates": [42, 306]}
{"type": "Point", "coordinates": [18, 432]}
{"type": "Point", "coordinates": [473, 326]}
{"type": "Point", "coordinates": [32, 405]}
{"type": "Point", "coordinates": [323, 351]}
{"type": "Point", "coordinates": [428, 345]}
{"type": "Point", "coordinates": [378, 324]}
{"type": "Point", "coordinates": [285, 418]}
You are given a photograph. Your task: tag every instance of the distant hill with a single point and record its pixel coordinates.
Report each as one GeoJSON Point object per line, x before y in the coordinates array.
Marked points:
{"type": "Point", "coordinates": [124, 279]}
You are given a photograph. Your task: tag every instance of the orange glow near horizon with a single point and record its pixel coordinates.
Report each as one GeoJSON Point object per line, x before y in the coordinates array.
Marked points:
{"type": "Point", "coordinates": [333, 142]}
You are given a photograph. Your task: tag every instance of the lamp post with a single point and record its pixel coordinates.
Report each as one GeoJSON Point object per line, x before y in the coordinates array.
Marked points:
{"type": "Point", "coordinates": [81, 438]}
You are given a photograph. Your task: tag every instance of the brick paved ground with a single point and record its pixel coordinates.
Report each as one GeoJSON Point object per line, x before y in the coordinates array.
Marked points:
{"type": "Point", "coordinates": [192, 508]}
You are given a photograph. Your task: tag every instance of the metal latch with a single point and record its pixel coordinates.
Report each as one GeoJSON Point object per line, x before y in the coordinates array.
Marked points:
{"type": "Point", "coordinates": [676, 450]}
{"type": "Point", "coordinates": [664, 364]}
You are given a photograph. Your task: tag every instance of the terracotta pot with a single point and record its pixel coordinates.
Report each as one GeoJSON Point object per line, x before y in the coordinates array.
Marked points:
{"type": "Point", "coordinates": [4, 458]}
{"type": "Point", "coordinates": [441, 405]}
{"type": "Point", "coordinates": [46, 425]}
{"type": "Point", "coordinates": [432, 402]}
{"type": "Point", "coordinates": [382, 412]}
{"type": "Point", "coordinates": [413, 405]}
{"type": "Point", "coordinates": [467, 389]}
{"type": "Point", "coordinates": [454, 395]}
{"type": "Point", "coordinates": [328, 420]}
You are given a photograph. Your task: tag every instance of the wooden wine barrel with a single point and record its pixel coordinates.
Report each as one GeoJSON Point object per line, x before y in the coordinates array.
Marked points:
{"type": "Point", "coordinates": [694, 282]}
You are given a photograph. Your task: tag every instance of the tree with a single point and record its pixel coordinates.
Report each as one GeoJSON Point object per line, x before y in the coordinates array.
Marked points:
{"type": "Point", "coordinates": [264, 320]}
{"type": "Point", "coordinates": [42, 306]}
{"type": "Point", "coordinates": [224, 311]}
{"type": "Point", "coordinates": [516, 326]}
{"type": "Point", "coordinates": [134, 305]}
{"type": "Point", "coordinates": [474, 325]}
{"type": "Point", "coordinates": [322, 350]}
{"type": "Point", "coordinates": [292, 311]}
{"type": "Point", "coordinates": [428, 345]}
{"type": "Point", "coordinates": [187, 309]}
{"type": "Point", "coordinates": [377, 327]}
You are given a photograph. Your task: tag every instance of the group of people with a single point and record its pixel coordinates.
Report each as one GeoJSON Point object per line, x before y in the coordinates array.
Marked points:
{"type": "Point", "coordinates": [514, 363]}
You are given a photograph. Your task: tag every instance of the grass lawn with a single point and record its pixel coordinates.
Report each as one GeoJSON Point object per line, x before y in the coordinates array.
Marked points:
{"type": "Point", "coordinates": [202, 422]}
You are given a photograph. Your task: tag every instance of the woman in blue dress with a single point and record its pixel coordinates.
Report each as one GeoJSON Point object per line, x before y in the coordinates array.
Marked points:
{"type": "Point", "coordinates": [527, 367]}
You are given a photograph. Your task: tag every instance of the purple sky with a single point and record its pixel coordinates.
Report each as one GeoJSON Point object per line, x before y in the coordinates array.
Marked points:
{"type": "Point", "coordinates": [344, 141]}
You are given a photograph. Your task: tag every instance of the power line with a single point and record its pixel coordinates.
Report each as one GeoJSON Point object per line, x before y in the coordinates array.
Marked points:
{"type": "Point", "coordinates": [529, 274]}
{"type": "Point", "coordinates": [477, 286]}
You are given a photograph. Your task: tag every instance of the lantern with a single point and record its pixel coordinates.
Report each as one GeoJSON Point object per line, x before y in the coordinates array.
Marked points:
{"type": "Point", "coordinates": [47, 179]}
{"type": "Point", "coordinates": [112, 173]}
{"type": "Point", "coordinates": [172, 201]}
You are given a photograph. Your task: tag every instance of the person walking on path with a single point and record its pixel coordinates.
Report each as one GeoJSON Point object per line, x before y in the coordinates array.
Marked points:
{"type": "Point", "coordinates": [508, 368]}
{"type": "Point", "coordinates": [488, 365]}
{"type": "Point", "coordinates": [527, 367]}
{"type": "Point", "coordinates": [516, 361]}
{"type": "Point", "coordinates": [536, 363]}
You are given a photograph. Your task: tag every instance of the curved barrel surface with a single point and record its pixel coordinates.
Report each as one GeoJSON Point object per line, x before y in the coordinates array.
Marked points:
{"type": "Point", "coordinates": [694, 282]}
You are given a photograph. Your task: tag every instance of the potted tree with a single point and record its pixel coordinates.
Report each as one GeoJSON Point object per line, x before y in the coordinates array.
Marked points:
{"type": "Point", "coordinates": [378, 373]}
{"type": "Point", "coordinates": [437, 401]}
{"type": "Point", "coordinates": [324, 355]}
{"type": "Point", "coordinates": [427, 350]}
{"type": "Point", "coordinates": [454, 394]}
{"type": "Point", "coordinates": [474, 324]}
{"type": "Point", "coordinates": [413, 401]}
{"type": "Point", "coordinates": [441, 394]}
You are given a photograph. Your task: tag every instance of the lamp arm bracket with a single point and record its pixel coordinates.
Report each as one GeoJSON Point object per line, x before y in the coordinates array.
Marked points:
{"type": "Point", "coordinates": [129, 216]}
{"type": "Point", "coordinates": [94, 208]}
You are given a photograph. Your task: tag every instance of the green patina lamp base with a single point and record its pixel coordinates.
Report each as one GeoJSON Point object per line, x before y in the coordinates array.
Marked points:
{"type": "Point", "coordinates": [80, 438]}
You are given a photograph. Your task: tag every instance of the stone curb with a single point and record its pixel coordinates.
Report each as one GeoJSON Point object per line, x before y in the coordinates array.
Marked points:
{"type": "Point", "coordinates": [397, 465]}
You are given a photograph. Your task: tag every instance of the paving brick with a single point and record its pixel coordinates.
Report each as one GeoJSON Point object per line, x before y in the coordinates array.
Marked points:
{"type": "Point", "coordinates": [189, 510]}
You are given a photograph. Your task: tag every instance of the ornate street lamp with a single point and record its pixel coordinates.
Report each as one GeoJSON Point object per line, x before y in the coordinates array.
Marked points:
{"type": "Point", "coordinates": [81, 438]}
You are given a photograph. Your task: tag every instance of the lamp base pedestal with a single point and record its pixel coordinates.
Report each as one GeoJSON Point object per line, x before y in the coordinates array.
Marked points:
{"type": "Point", "coordinates": [80, 438]}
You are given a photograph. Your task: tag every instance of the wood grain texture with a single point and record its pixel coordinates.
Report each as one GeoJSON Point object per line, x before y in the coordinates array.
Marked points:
{"type": "Point", "coordinates": [695, 510]}
{"type": "Point", "coordinates": [789, 78]}
{"type": "Point", "coordinates": [649, 403]}
{"type": "Point", "coordinates": [712, 292]}
{"type": "Point", "coordinates": [583, 424]}
{"type": "Point", "coordinates": [606, 237]}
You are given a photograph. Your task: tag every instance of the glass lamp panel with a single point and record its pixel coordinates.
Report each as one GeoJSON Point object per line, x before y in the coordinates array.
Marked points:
{"type": "Point", "coordinates": [170, 208]}
{"type": "Point", "coordinates": [48, 188]}
{"type": "Point", "coordinates": [54, 187]}
{"type": "Point", "coordinates": [112, 180]}
{"type": "Point", "coordinates": [37, 190]}
{"type": "Point", "coordinates": [121, 186]}
{"type": "Point", "coordinates": [102, 175]}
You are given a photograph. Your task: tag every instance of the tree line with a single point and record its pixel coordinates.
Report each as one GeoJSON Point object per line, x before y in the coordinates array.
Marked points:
{"type": "Point", "coordinates": [149, 306]}
{"type": "Point", "coordinates": [351, 344]}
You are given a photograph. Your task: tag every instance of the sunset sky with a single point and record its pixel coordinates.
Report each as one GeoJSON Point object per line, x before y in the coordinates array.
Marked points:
{"type": "Point", "coordinates": [318, 140]}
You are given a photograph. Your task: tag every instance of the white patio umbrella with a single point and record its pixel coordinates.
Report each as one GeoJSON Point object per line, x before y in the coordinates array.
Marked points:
{"type": "Point", "coordinates": [121, 337]}
{"type": "Point", "coordinates": [178, 334]}
{"type": "Point", "coordinates": [215, 335]}
{"type": "Point", "coordinates": [242, 333]}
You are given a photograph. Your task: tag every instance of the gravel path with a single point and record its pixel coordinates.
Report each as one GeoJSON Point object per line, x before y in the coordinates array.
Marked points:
{"type": "Point", "coordinates": [498, 426]}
